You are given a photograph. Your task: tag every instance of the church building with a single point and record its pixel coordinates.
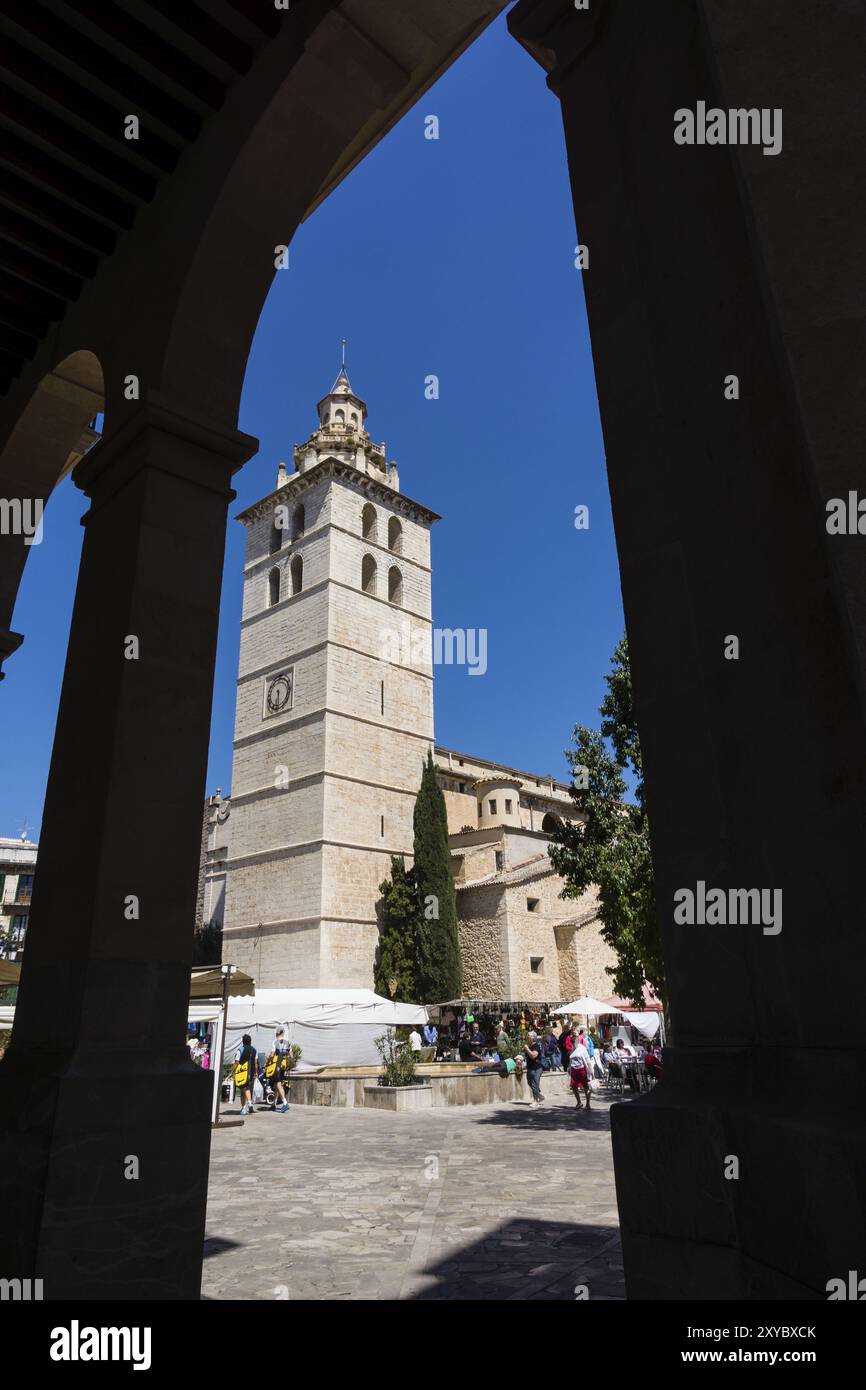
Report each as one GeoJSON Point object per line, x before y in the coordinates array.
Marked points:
{"type": "Point", "coordinates": [334, 721]}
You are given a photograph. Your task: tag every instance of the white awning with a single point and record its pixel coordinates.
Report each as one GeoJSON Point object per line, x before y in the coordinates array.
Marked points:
{"type": "Point", "coordinates": [587, 1005]}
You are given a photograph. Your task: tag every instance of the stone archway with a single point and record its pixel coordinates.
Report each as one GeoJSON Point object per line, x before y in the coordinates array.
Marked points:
{"type": "Point", "coordinates": [169, 311]}
{"type": "Point", "coordinates": [48, 440]}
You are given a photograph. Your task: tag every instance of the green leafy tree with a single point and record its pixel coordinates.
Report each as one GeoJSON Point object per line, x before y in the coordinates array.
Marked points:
{"type": "Point", "coordinates": [396, 973]}
{"type": "Point", "coordinates": [207, 944]}
{"type": "Point", "coordinates": [612, 850]}
{"type": "Point", "coordinates": [441, 969]}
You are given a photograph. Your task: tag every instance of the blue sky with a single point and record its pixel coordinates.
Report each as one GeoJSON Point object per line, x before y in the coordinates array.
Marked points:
{"type": "Point", "coordinates": [453, 257]}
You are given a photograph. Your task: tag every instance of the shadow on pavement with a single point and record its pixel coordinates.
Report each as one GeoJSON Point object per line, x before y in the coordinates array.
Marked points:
{"type": "Point", "coordinates": [531, 1261]}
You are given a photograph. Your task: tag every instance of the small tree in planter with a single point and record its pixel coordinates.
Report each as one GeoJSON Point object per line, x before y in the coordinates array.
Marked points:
{"type": "Point", "coordinates": [398, 1060]}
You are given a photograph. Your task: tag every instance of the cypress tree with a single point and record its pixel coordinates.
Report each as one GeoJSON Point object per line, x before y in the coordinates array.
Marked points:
{"type": "Point", "coordinates": [396, 972]}
{"type": "Point", "coordinates": [441, 969]}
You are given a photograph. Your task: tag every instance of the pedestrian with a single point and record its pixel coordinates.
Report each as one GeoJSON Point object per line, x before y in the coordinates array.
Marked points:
{"type": "Point", "coordinates": [579, 1072]}
{"type": "Point", "coordinates": [430, 1035]}
{"type": "Point", "coordinates": [276, 1070]}
{"type": "Point", "coordinates": [550, 1050]}
{"type": "Point", "coordinates": [503, 1041]}
{"type": "Point", "coordinates": [566, 1043]}
{"type": "Point", "coordinates": [534, 1067]}
{"type": "Point", "coordinates": [246, 1070]}
{"type": "Point", "coordinates": [415, 1040]}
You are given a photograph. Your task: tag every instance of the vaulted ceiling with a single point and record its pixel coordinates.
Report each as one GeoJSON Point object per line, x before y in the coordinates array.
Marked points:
{"type": "Point", "coordinates": [70, 181]}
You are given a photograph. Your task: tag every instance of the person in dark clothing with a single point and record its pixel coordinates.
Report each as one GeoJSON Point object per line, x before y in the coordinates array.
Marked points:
{"type": "Point", "coordinates": [550, 1050]}
{"type": "Point", "coordinates": [471, 1049]}
{"type": "Point", "coordinates": [534, 1068]}
{"type": "Point", "coordinates": [246, 1071]}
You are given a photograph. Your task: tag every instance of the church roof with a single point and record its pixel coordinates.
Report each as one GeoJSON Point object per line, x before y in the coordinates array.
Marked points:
{"type": "Point", "coordinates": [342, 389]}
{"type": "Point", "coordinates": [342, 385]}
{"type": "Point", "coordinates": [539, 866]}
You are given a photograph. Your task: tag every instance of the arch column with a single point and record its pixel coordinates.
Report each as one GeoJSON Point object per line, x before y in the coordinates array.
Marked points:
{"type": "Point", "coordinates": [705, 262]}
{"type": "Point", "coordinates": [105, 1122]}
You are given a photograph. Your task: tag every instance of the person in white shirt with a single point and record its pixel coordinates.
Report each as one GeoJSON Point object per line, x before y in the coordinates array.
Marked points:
{"type": "Point", "coordinates": [415, 1040]}
{"type": "Point", "coordinates": [579, 1071]}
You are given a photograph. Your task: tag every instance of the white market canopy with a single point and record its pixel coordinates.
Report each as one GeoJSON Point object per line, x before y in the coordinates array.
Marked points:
{"type": "Point", "coordinates": [587, 1005]}
{"type": "Point", "coordinates": [333, 1027]}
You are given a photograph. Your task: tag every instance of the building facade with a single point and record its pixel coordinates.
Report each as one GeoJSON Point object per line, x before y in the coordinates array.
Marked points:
{"type": "Point", "coordinates": [17, 871]}
{"type": "Point", "coordinates": [334, 722]}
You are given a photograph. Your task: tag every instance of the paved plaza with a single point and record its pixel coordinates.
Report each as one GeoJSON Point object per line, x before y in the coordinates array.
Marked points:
{"type": "Point", "coordinates": [476, 1202]}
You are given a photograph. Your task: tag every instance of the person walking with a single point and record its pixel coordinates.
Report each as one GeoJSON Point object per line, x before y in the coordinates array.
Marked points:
{"type": "Point", "coordinates": [579, 1072]}
{"type": "Point", "coordinates": [534, 1068]}
{"type": "Point", "coordinates": [276, 1071]}
{"type": "Point", "coordinates": [566, 1043]}
{"type": "Point", "coordinates": [245, 1073]}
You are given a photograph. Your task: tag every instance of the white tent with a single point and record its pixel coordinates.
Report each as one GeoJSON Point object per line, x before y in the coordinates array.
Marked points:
{"type": "Point", "coordinates": [333, 1027]}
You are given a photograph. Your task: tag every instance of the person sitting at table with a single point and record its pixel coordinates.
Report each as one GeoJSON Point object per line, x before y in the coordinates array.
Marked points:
{"type": "Point", "coordinates": [471, 1048]}
{"type": "Point", "coordinates": [653, 1062]}
{"type": "Point", "coordinates": [627, 1060]}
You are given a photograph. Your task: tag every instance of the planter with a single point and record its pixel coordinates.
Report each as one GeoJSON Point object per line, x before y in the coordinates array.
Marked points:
{"type": "Point", "coordinates": [398, 1097]}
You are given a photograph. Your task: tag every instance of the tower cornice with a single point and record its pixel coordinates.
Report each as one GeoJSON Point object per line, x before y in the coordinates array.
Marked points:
{"type": "Point", "coordinates": [301, 483]}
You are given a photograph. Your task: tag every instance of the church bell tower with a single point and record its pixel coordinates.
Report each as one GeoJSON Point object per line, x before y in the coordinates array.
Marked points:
{"type": "Point", "coordinates": [334, 705]}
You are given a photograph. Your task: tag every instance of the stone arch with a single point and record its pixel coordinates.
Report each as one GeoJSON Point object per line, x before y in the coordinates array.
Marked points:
{"type": "Point", "coordinates": [551, 823]}
{"type": "Point", "coordinates": [395, 535]}
{"type": "Point", "coordinates": [368, 575]}
{"type": "Point", "coordinates": [395, 586]}
{"type": "Point", "coordinates": [273, 588]}
{"type": "Point", "coordinates": [51, 434]}
{"type": "Point", "coordinates": [299, 521]}
{"type": "Point", "coordinates": [369, 522]}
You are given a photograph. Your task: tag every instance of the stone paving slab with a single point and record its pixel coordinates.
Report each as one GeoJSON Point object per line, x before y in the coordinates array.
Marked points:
{"type": "Point", "coordinates": [481, 1202]}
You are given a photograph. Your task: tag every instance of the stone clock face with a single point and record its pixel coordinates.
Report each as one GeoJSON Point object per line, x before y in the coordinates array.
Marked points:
{"type": "Point", "coordinates": [280, 693]}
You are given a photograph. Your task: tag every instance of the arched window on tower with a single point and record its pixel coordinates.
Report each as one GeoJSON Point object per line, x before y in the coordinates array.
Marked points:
{"type": "Point", "coordinates": [298, 522]}
{"type": "Point", "coordinates": [395, 586]}
{"type": "Point", "coordinates": [368, 575]}
{"type": "Point", "coordinates": [340, 417]}
{"type": "Point", "coordinates": [273, 588]}
{"type": "Point", "coordinates": [354, 418]}
{"type": "Point", "coordinates": [368, 522]}
{"type": "Point", "coordinates": [395, 536]}
{"type": "Point", "coordinates": [276, 539]}
{"type": "Point", "coordinates": [297, 573]}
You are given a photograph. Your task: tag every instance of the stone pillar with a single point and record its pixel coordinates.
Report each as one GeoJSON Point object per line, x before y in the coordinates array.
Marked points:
{"type": "Point", "coordinates": [755, 767]}
{"type": "Point", "coordinates": [97, 1085]}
